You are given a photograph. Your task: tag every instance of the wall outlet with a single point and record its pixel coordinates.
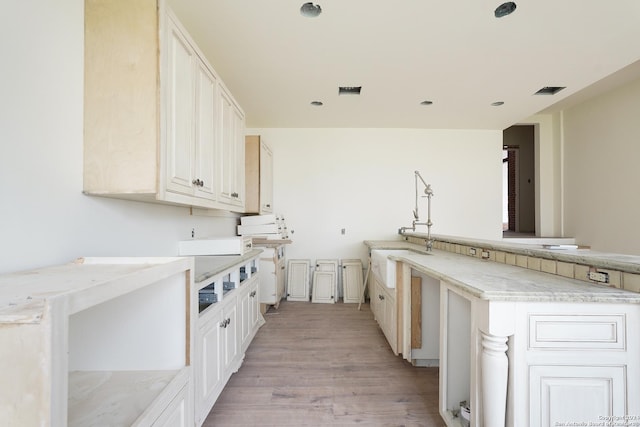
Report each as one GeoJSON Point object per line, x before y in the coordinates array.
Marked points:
{"type": "Point", "coordinates": [599, 277]}
{"type": "Point", "coordinates": [485, 254]}
{"type": "Point", "coordinates": [472, 251]}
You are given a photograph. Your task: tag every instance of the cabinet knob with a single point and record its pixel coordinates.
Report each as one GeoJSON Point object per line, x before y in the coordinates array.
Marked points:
{"type": "Point", "coordinates": [194, 182]}
{"type": "Point", "coordinates": [380, 297]}
{"type": "Point", "coordinates": [223, 324]}
{"type": "Point", "coordinates": [234, 194]}
{"type": "Point", "coordinates": [201, 183]}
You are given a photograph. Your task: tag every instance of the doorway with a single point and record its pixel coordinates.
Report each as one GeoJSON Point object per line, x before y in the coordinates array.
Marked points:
{"type": "Point", "coordinates": [518, 165]}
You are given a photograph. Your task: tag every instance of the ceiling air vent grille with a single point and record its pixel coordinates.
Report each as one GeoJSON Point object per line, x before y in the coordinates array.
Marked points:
{"type": "Point", "coordinates": [349, 90]}
{"type": "Point", "coordinates": [549, 90]}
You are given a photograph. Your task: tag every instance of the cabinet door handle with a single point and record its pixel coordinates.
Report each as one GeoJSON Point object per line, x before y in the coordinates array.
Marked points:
{"type": "Point", "coordinates": [194, 182]}
{"type": "Point", "coordinates": [223, 324]}
{"type": "Point", "coordinates": [234, 194]}
{"type": "Point", "coordinates": [201, 184]}
{"type": "Point", "coordinates": [380, 297]}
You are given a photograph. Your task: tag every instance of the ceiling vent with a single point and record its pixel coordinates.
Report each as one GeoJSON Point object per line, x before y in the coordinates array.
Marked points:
{"type": "Point", "coordinates": [549, 90]}
{"type": "Point", "coordinates": [349, 90]}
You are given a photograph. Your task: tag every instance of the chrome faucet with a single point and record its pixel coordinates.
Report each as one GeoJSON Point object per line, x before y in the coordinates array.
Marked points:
{"type": "Point", "coordinates": [416, 216]}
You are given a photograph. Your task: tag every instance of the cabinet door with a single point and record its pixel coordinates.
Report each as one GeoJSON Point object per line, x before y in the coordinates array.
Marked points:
{"type": "Point", "coordinates": [580, 393]}
{"type": "Point", "coordinates": [280, 279]}
{"type": "Point", "coordinates": [267, 274]}
{"type": "Point", "coordinates": [246, 313]}
{"type": "Point", "coordinates": [238, 149]}
{"type": "Point", "coordinates": [231, 333]}
{"type": "Point", "coordinates": [266, 179]}
{"type": "Point", "coordinates": [298, 280]}
{"type": "Point", "coordinates": [324, 284]}
{"type": "Point", "coordinates": [352, 280]}
{"type": "Point", "coordinates": [231, 183]}
{"type": "Point", "coordinates": [251, 316]}
{"type": "Point", "coordinates": [209, 367]}
{"type": "Point", "coordinates": [180, 112]}
{"type": "Point", "coordinates": [177, 413]}
{"type": "Point", "coordinates": [390, 321]}
{"type": "Point", "coordinates": [256, 316]}
{"type": "Point", "coordinates": [205, 142]}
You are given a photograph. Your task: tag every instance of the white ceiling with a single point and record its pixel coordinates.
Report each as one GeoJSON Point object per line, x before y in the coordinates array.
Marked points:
{"type": "Point", "coordinates": [455, 53]}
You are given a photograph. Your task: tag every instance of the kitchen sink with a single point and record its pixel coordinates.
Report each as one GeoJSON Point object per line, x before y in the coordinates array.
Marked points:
{"type": "Point", "coordinates": [383, 268]}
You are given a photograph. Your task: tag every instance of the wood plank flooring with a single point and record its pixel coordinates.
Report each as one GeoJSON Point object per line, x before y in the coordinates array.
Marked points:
{"type": "Point", "coordinates": [325, 364]}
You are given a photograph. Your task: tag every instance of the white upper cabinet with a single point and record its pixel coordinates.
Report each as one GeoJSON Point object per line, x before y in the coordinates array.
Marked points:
{"type": "Point", "coordinates": [180, 112]}
{"type": "Point", "coordinates": [206, 147]}
{"type": "Point", "coordinates": [159, 124]}
{"type": "Point", "coordinates": [231, 171]}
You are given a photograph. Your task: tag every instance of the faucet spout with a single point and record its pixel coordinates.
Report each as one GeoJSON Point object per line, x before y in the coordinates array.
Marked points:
{"type": "Point", "coordinates": [429, 192]}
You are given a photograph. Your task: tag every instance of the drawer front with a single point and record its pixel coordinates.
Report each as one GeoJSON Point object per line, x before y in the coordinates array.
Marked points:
{"type": "Point", "coordinates": [577, 331]}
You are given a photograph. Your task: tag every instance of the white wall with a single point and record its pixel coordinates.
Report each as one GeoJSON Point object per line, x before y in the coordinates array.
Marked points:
{"type": "Point", "coordinates": [602, 171]}
{"type": "Point", "coordinates": [362, 180]}
{"type": "Point", "coordinates": [44, 217]}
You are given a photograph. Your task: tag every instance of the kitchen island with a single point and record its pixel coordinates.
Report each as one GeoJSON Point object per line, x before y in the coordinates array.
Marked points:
{"type": "Point", "coordinates": [522, 347]}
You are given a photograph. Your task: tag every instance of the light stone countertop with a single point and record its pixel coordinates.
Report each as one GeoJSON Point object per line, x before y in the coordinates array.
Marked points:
{"type": "Point", "coordinates": [606, 260]}
{"type": "Point", "coordinates": [500, 282]}
{"type": "Point", "coordinates": [212, 265]}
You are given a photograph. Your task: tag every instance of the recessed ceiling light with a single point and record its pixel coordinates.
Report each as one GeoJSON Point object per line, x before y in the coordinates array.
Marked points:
{"type": "Point", "coordinates": [426, 103]}
{"type": "Point", "coordinates": [310, 10]}
{"type": "Point", "coordinates": [497, 103]}
{"type": "Point", "coordinates": [349, 90]}
{"type": "Point", "coordinates": [549, 90]}
{"type": "Point", "coordinates": [317, 103]}
{"type": "Point", "coordinates": [504, 9]}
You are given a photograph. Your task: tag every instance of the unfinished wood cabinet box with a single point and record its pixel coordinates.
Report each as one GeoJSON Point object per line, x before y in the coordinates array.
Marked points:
{"type": "Point", "coordinates": [159, 124]}
{"type": "Point", "coordinates": [100, 340]}
{"type": "Point", "coordinates": [259, 175]}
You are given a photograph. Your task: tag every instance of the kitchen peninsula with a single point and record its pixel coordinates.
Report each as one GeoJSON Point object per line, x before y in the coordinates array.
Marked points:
{"type": "Point", "coordinates": [520, 345]}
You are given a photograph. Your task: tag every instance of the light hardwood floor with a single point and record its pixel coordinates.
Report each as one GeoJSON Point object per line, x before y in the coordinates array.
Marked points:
{"type": "Point", "coordinates": [325, 364]}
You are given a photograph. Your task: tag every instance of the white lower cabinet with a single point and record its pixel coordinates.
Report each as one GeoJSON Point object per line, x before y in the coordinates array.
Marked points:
{"type": "Point", "coordinates": [177, 412]}
{"type": "Point", "coordinates": [383, 306]}
{"type": "Point", "coordinates": [540, 364]}
{"type": "Point", "coordinates": [250, 314]}
{"type": "Point", "coordinates": [209, 379]}
{"type": "Point", "coordinates": [224, 332]}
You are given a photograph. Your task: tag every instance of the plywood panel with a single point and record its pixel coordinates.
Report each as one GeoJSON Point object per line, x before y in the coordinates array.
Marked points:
{"type": "Point", "coordinates": [416, 312]}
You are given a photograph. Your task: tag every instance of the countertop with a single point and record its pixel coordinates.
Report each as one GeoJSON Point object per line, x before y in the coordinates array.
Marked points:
{"type": "Point", "coordinates": [501, 282]}
{"type": "Point", "coordinates": [212, 265]}
{"type": "Point", "coordinates": [84, 282]}
{"type": "Point", "coordinates": [606, 260]}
